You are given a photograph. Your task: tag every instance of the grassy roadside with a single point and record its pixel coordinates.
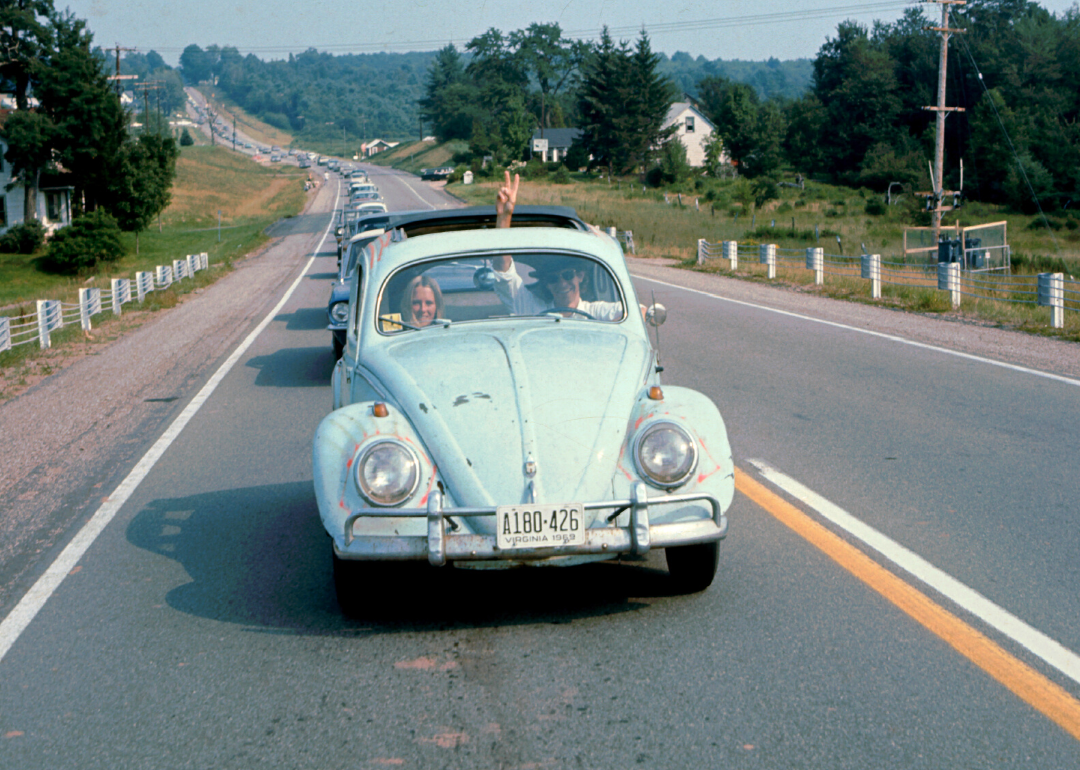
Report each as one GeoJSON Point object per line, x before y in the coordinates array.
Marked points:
{"type": "Point", "coordinates": [227, 109]}
{"type": "Point", "coordinates": [671, 231]}
{"type": "Point", "coordinates": [250, 197]}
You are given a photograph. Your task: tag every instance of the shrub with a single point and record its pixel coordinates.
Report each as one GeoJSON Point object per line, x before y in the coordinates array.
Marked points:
{"type": "Point", "coordinates": [186, 139]}
{"type": "Point", "coordinates": [23, 238]}
{"type": "Point", "coordinates": [875, 207]}
{"type": "Point", "coordinates": [87, 242]}
{"type": "Point", "coordinates": [561, 175]}
{"type": "Point", "coordinates": [534, 169]}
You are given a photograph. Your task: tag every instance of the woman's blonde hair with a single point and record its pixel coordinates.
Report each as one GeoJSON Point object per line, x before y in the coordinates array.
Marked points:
{"type": "Point", "coordinates": [407, 295]}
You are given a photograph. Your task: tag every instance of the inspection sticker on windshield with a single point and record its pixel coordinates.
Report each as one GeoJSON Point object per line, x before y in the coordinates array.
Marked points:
{"type": "Point", "coordinates": [539, 526]}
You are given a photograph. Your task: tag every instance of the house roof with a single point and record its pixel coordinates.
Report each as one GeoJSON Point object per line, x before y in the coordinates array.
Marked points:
{"type": "Point", "coordinates": [678, 108]}
{"type": "Point", "coordinates": [558, 137]}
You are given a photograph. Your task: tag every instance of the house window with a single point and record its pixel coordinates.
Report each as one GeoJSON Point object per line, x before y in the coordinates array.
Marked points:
{"type": "Point", "coordinates": [690, 124]}
{"type": "Point", "coordinates": [54, 209]}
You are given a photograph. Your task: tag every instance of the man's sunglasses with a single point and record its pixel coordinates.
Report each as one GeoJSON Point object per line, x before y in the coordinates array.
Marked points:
{"type": "Point", "coordinates": [563, 275]}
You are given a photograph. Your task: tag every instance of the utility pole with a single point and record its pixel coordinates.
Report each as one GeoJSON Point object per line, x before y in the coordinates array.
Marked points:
{"type": "Point", "coordinates": [938, 194]}
{"type": "Point", "coordinates": [234, 132]}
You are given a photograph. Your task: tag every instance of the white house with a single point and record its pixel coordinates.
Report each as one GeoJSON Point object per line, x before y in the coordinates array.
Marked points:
{"type": "Point", "coordinates": [376, 145]}
{"type": "Point", "coordinates": [53, 200]}
{"type": "Point", "coordinates": [694, 131]}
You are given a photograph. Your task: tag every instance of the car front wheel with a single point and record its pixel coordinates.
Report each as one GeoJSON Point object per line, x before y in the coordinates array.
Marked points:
{"type": "Point", "coordinates": [693, 567]}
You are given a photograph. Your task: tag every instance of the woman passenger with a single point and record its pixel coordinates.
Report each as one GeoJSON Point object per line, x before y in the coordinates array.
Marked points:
{"type": "Point", "coordinates": [421, 302]}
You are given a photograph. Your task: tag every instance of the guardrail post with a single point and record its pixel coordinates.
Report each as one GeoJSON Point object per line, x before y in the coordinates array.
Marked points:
{"type": "Point", "coordinates": [164, 276]}
{"type": "Point", "coordinates": [767, 252]}
{"type": "Point", "coordinates": [5, 334]}
{"type": "Point", "coordinates": [44, 311]}
{"type": "Point", "coordinates": [117, 294]}
{"type": "Point", "coordinates": [89, 305]}
{"type": "Point", "coordinates": [731, 253]}
{"type": "Point", "coordinates": [871, 270]}
{"type": "Point", "coordinates": [205, 260]}
{"type": "Point", "coordinates": [701, 251]}
{"type": "Point", "coordinates": [628, 234]}
{"type": "Point", "coordinates": [815, 260]}
{"type": "Point", "coordinates": [144, 282]}
{"type": "Point", "coordinates": [1052, 295]}
{"type": "Point", "coordinates": [191, 265]}
{"type": "Point", "coordinates": [948, 279]}
{"type": "Point", "coordinates": [178, 266]}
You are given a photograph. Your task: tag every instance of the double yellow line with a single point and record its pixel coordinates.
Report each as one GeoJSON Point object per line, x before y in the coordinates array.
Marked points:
{"type": "Point", "coordinates": [1032, 687]}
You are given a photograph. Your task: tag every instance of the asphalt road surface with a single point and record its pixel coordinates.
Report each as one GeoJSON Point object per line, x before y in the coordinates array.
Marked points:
{"type": "Point", "coordinates": [200, 628]}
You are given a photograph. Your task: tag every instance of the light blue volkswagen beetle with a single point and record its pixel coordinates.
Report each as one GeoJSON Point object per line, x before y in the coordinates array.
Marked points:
{"type": "Point", "coordinates": [498, 403]}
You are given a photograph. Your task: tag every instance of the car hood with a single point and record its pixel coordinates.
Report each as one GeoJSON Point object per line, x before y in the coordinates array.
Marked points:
{"type": "Point", "coordinates": [486, 403]}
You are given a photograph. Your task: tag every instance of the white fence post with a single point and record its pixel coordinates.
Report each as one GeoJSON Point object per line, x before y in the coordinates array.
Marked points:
{"type": "Point", "coordinates": [1052, 295]}
{"type": "Point", "coordinates": [178, 266]}
{"type": "Point", "coordinates": [5, 334]}
{"type": "Point", "coordinates": [701, 251]}
{"type": "Point", "coordinates": [164, 276]}
{"type": "Point", "coordinates": [191, 265]}
{"type": "Point", "coordinates": [89, 305]}
{"type": "Point", "coordinates": [205, 260]}
{"type": "Point", "coordinates": [815, 260]}
{"type": "Point", "coordinates": [144, 283]}
{"type": "Point", "coordinates": [871, 270]}
{"type": "Point", "coordinates": [948, 279]}
{"type": "Point", "coordinates": [117, 294]}
{"type": "Point", "coordinates": [731, 253]}
{"type": "Point", "coordinates": [767, 252]}
{"type": "Point", "coordinates": [45, 325]}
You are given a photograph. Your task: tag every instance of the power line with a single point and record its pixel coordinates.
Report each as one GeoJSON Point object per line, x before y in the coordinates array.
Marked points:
{"type": "Point", "coordinates": [660, 28]}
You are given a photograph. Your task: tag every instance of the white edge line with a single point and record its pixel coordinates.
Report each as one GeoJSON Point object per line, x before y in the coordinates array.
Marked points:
{"type": "Point", "coordinates": [28, 607]}
{"type": "Point", "coordinates": [882, 335]}
{"type": "Point", "coordinates": [1036, 642]}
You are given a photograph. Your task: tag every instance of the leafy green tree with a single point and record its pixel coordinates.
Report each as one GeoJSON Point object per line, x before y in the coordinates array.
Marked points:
{"type": "Point", "coordinates": [554, 63]}
{"type": "Point", "coordinates": [143, 187]}
{"type": "Point", "coordinates": [25, 35]}
{"type": "Point", "coordinates": [186, 139]}
{"type": "Point", "coordinates": [29, 135]}
{"type": "Point", "coordinates": [196, 64]}
{"type": "Point", "coordinates": [650, 99]}
{"type": "Point", "coordinates": [449, 104]}
{"type": "Point", "coordinates": [89, 124]}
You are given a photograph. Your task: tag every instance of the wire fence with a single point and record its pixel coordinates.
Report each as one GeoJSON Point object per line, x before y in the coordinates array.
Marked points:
{"type": "Point", "coordinates": [53, 314]}
{"type": "Point", "coordinates": [1052, 290]}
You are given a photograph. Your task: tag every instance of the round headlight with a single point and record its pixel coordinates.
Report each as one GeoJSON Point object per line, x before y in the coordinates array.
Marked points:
{"type": "Point", "coordinates": [665, 454]}
{"type": "Point", "coordinates": [339, 312]}
{"type": "Point", "coordinates": [387, 473]}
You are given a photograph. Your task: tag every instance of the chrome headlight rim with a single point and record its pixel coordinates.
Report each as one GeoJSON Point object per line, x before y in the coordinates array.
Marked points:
{"type": "Point", "coordinates": [343, 308]}
{"type": "Point", "coordinates": [362, 457]}
{"type": "Point", "coordinates": [652, 428]}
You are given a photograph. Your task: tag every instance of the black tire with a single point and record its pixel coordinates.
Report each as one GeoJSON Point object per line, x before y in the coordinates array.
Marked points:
{"type": "Point", "coordinates": [339, 348]}
{"type": "Point", "coordinates": [693, 567]}
{"type": "Point", "coordinates": [349, 586]}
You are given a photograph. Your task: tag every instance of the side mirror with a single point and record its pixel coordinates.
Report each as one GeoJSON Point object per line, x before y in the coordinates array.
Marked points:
{"type": "Point", "coordinates": [484, 279]}
{"type": "Point", "coordinates": [656, 315]}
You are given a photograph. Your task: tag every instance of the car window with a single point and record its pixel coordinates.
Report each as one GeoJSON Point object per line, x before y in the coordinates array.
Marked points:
{"type": "Point", "coordinates": [464, 289]}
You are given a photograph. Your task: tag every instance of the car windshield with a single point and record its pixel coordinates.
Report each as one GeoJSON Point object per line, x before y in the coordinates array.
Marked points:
{"type": "Point", "coordinates": [465, 288]}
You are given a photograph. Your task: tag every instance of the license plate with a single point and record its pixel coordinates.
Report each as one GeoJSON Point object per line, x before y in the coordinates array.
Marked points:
{"type": "Point", "coordinates": [539, 526]}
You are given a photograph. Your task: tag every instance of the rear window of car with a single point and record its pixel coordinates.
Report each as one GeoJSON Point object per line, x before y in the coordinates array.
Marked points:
{"type": "Point", "coordinates": [473, 288]}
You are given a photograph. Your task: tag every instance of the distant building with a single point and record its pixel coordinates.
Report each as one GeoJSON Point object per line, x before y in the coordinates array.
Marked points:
{"type": "Point", "coordinates": [694, 131]}
{"type": "Point", "coordinates": [554, 144]}
{"type": "Point", "coordinates": [53, 197]}
{"type": "Point", "coordinates": [367, 149]}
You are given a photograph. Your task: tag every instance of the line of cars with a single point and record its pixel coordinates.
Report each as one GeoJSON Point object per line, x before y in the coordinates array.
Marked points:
{"type": "Point", "coordinates": [498, 429]}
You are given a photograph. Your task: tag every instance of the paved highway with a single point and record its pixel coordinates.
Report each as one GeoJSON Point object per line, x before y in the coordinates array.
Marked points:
{"type": "Point", "coordinates": [200, 629]}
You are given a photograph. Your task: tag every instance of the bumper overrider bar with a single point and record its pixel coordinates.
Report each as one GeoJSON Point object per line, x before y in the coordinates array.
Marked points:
{"type": "Point", "coordinates": [439, 546]}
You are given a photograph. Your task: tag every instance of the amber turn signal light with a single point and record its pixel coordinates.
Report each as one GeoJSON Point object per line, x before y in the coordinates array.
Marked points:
{"type": "Point", "coordinates": [655, 393]}
{"type": "Point", "coordinates": [379, 409]}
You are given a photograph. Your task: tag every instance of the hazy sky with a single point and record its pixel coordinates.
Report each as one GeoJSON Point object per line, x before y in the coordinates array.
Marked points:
{"type": "Point", "coordinates": [728, 29]}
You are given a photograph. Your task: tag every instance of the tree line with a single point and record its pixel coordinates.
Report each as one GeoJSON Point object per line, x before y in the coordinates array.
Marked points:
{"type": "Point", "coordinates": [69, 123]}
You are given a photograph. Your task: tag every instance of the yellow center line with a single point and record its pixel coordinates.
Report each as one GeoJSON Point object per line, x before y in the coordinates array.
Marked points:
{"type": "Point", "coordinates": [1028, 684]}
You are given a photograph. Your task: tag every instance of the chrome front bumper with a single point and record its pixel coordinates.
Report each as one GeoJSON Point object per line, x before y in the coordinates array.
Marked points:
{"type": "Point", "coordinates": [440, 546]}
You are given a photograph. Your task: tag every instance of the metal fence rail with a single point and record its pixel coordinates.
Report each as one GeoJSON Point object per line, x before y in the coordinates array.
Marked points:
{"type": "Point", "coordinates": [53, 314]}
{"type": "Point", "coordinates": [1051, 290]}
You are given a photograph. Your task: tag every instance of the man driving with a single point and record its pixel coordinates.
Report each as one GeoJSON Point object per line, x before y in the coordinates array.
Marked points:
{"type": "Point", "coordinates": [559, 279]}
